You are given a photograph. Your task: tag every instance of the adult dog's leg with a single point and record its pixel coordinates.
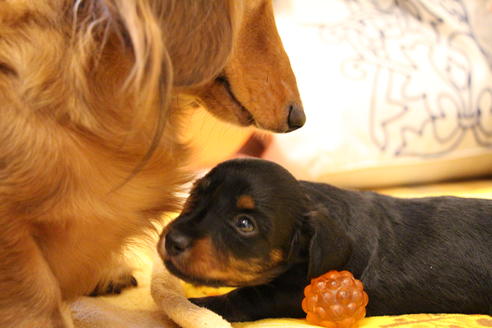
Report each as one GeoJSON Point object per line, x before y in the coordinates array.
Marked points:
{"type": "Point", "coordinates": [29, 293]}
{"type": "Point", "coordinates": [117, 277]}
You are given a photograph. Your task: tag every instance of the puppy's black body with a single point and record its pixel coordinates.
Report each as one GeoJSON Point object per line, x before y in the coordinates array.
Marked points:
{"type": "Point", "coordinates": [424, 255]}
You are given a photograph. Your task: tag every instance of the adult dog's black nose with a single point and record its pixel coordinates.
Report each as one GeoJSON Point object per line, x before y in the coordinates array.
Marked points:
{"type": "Point", "coordinates": [296, 118]}
{"type": "Point", "coordinates": [176, 242]}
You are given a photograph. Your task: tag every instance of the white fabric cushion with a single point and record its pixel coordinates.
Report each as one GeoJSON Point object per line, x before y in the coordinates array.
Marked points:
{"type": "Point", "coordinates": [394, 91]}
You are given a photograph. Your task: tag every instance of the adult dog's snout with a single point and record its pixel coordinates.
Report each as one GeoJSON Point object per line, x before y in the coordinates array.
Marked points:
{"type": "Point", "coordinates": [176, 242]}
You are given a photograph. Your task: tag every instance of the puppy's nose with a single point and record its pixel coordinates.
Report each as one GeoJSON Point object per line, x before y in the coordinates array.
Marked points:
{"type": "Point", "coordinates": [296, 118]}
{"type": "Point", "coordinates": [176, 242]}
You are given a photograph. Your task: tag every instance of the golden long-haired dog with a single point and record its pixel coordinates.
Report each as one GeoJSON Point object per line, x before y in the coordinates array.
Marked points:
{"type": "Point", "coordinates": [89, 154]}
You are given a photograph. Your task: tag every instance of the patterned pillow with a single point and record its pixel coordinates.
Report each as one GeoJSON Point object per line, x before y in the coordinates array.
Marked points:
{"type": "Point", "coordinates": [394, 91]}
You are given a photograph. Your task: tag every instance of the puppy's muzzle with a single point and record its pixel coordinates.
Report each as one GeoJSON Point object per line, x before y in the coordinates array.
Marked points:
{"type": "Point", "coordinates": [176, 242]}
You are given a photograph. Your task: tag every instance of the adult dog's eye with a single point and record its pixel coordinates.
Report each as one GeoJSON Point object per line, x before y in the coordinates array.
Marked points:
{"type": "Point", "coordinates": [245, 224]}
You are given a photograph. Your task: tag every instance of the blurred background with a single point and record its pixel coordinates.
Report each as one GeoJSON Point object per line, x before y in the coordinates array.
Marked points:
{"type": "Point", "coordinates": [395, 93]}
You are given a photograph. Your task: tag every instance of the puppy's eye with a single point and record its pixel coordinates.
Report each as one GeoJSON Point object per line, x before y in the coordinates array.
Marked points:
{"type": "Point", "coordinates": [245, 224]}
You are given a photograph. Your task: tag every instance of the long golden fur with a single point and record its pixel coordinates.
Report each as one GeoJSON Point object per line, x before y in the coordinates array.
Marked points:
{"type": "Point", "coordinates": [89, 150]}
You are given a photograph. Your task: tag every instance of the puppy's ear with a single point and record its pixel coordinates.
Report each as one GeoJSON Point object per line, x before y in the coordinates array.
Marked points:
{"type": "Point", "coordinates": [329, 246]}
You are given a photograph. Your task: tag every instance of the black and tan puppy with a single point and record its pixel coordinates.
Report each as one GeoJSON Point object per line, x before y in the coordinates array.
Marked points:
{"type": "Point", "coordinates": [251, 224]}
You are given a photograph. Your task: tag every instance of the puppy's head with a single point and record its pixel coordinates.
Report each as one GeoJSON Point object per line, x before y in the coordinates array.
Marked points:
{"type": "Point", "coordinates": [238, 226]}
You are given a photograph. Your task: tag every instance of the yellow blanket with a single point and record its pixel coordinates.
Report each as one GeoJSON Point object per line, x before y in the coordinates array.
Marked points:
{"type": "Point", "coordinates": [404, 321]}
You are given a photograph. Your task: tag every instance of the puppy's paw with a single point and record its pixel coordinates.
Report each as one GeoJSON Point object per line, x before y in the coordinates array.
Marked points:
{"type": "Point", "coordinates": [115, 284]}
{"type": "Point", "coordinates": [201, 301]}
{"type": "Point", "coordinates": [221, 306]}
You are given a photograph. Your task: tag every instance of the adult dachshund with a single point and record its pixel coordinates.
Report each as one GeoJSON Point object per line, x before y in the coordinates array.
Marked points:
{"type": "Point", "coordinates": [249, 223]}
{"type": "Point", "coordinates": [89, 150]}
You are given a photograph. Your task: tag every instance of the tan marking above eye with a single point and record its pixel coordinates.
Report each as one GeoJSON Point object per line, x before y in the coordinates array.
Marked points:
{"type": "Point", "coordinates": [245, 202]}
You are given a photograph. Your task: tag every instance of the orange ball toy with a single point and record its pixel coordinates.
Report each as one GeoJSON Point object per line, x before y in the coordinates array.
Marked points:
{"type": "Point", "coordinates": [335, 300]}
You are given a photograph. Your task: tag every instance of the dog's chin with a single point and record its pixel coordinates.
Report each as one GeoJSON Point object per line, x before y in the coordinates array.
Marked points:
{"type": "Point", "coordinates": [263, 278]}
{"type": "Point", "coordinates": [241, 115]}
{"type": "Point", "coordinates": [171, 267]}
{"type": "Point", "coordinates": [219, 99]}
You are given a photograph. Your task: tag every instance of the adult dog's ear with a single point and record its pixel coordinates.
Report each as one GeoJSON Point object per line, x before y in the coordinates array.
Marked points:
{"type": "Point", "coordinates": [210, 28]}
{"type": "Point", "coordinates": [329, 246]}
